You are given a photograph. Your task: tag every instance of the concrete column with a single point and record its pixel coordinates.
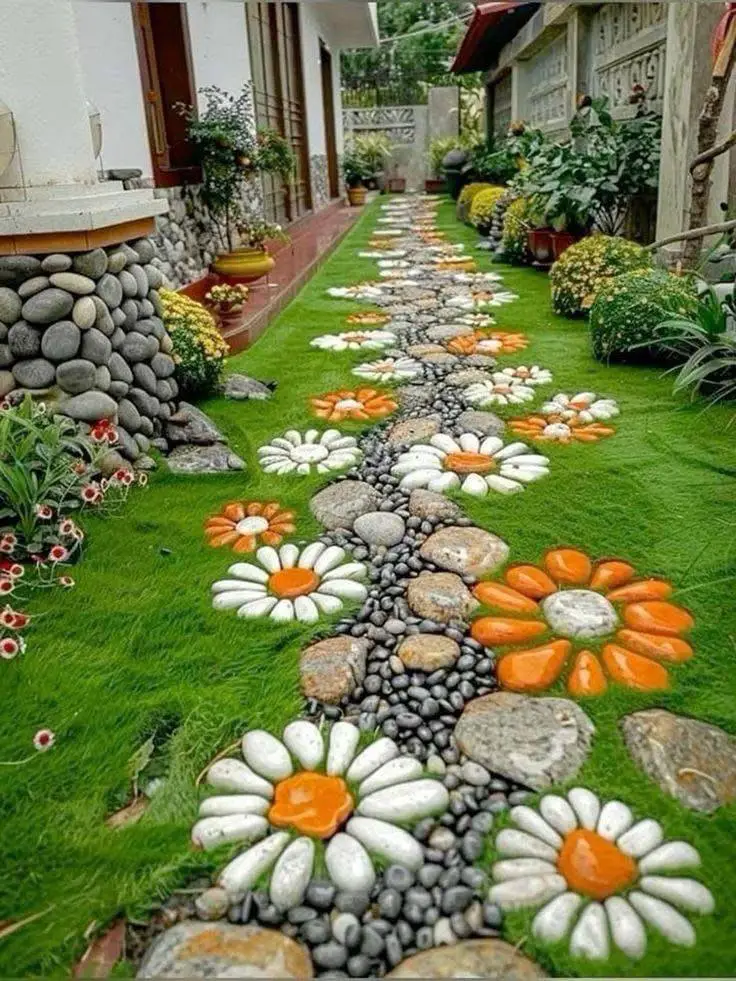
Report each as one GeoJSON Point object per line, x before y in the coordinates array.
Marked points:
{"type": "Point", "coordinates": [516, 108]}
{"type": "Point", "coordinates": [443, 112]}
{"type": "Point", "coordinates": [687, 77]}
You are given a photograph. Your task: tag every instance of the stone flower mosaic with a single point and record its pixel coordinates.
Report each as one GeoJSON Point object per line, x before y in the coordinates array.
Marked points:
{"type": "Point", "coordinates": [389, 369]}
{"type": "Point", "coordinates": [355, 340]}
{"type": "Point", "coordinates": [291, 584]}
{"type": "Point", "coordinates": [475, 465]}
{"type": "Point", "coordinates": [244, 525]}
{"type": "Point", "coordinates": [481, 300]}
{"type": "Point", "coordinates": [295, 795]}
{"type": "Point", "coordinates": [566, 419]}
{"type": "Point", "coordinates": [361, 404]}
{"type": "Point", "coordinates": [301, 453]}
{"type": "Point", "coordinates": [580, 602]}
{"type": "Point", "coordinates": [499, 390]}
{"type": "Point", "coordinates": [601, 877]}
{"type": "Point", "coordinates": [485, 342]}
{"type": "Point", "coordinates": [368, 318]}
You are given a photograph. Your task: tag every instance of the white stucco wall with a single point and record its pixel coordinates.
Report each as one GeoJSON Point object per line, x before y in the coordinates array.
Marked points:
{"type": "Point", "coordinates": [311, 31]}
{"type": "Point", "coordinates": [112, 81]}
{"type": "Point", "coordinates": [219, 43]}
{"type": "Point", "coordinates": [337, 94]}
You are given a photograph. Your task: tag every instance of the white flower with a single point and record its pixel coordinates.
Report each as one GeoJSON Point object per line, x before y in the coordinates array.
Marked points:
{"type": "Point", "coordinates": [445, 249]}
{"type": "Point", "coordinates": [477, 320]}
{"type": "Point", "coordinates": [387, 254]}
{"type": "Point", "coordinates": [474, 465]}
{"type": "Point", "coordinates": [499, 390]}
{"type": "Point", "coordinates": [297, 453]}
{"type": "Point", "coordinates": [390, 233]}
{"type": "Point", "coordinates": [363, 291]}
{"type": "Point", "coordinates": [293, 796]}
{"type": "Point", "coordinates": [591, 864]}
{"type": "Point", "coordinates": [393, 263]}
{"type": "Point", "coordinates": [389, 369]}
{"type": "Point", "coordinates": [353, 340]}
{"type": "Point", "coordinates": [528, 375]}
{"type": "Point", "coordinates": [399, 221]}
{"type": "Point", "coordinates": [585, 407]}
{"type": "Point", "coordinates": [400, 283]}
{"type": "Point", "coordinates": [488, 299]}
{"type": "Point", "coordinates": [288, 584]}
{"type": "Point", "coordinates": [479, 279]}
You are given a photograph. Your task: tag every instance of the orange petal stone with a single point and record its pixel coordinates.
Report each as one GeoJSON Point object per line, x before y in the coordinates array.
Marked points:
{"type": "Point", "coordinates": [531, 581]}
{"type": "Point", "coordinates": [568, 565]}
{"type": "Point", "coordinates": [664, 648]}
{"type": "Point", "coordinates": [658, 618]}
{"type": "Point", "coordinates": [535, 669]}
{"type": "Point", "coordinates": [234, 511]}
{"type": "Point", "coordinates": [647, 589]}
{"type": "Point", "coordinates": [312, 803]}
{"type": "Point", "coordinates": [469, 462]}
{"type": "Point", "coordinates": [223, 538]}
{"type": "Point", "coordinates": [245, 543]}
{"type": "Point", "coordinates": [594, 866]}
{"type": "Point", "coordinates": [586, 677]}
{"type": "Point", "coordinates": [633, 670]}
{"type": "Point", "coordinates": [499, 630]}
{"type": "Point", "coordinates": [610, 574]}
{"type": "Point", "coordinates": [288, 583]}
{"type": "Point", "coordinates": [505, 598]}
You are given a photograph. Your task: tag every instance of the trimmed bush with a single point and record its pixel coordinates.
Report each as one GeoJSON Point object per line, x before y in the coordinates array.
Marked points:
{"type": "Point", "coordinates": [481, 209]}
{"type": "Point", "coordinates": [466, 199]}
{"type": "Point", "coordinates": [586, 267]}
{"type": "Point", "coordinates": [515, 227]}
{"type": "Point", "coordinates": [199, 349]}
{"type": "Point", "coordinates": [629, 308]}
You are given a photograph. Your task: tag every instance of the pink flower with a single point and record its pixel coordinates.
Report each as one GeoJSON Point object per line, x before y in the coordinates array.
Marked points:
{"type": "Point", "coordinates": [43, 740]}
{"type": "Point", "coordinates": [13, 619]}
{"type": "Point", "coordinates": [124, 477]}
{"type": "Point", "coordinates": [103, 431]}
{"type": "Point", "coordinates": [66, 582]}
{"type": "Point", "coordinates": [7, 544]}
{"type": "Point", "coordinates": [10, 648]}
{"type": "Point", "coordinates": [13, 569]}
{"type": "Point", "coordinates": [44, 512]}
{"type": "Point", "coordinates": [90, 494]}
{"type": "Point", "coordinates": [66, 527]}
{"type": "Point", "coordinates": [58, 553]}
{"type": "Point", "coordinates": [6, 585]}
{"type": "Point", "coordinates": [78, 534]}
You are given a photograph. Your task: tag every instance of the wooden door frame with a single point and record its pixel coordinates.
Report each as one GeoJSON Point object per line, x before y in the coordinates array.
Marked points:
{"type": "Point", "coordinates": [326, 63]}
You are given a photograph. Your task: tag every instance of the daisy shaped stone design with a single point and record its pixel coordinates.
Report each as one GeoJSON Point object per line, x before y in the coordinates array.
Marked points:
{"type": "Point", "coordinates": [482, 299]}
{"type": "Point", "coordinates": [244, 524]}
{"type": "Point", "coordinates": [499, 390]}
{"type": "Point", "coordinates": [476, 320]}
{"type": "Point", "coordinates": [360, 404]}
{"type": "Point", "coordinates": [354, 340]}
{"type": "Point", "coordinates": [296, 452]}
{"type": "Point", "coordinates": [579, 604]}
{"type": "Point", "coordinates": [402, 276]}
{"type": "Point", "coordinates": [582, 408]}
{"type": "Point", "coordinates": [383, 254]}
{"type": "Point", "coordinates": [477, 279]}
{"type": "Point", "coordinates": [475, 466]}
{"type": "Point", "coordinates": [368, 318]}
{"type": "Point", "coordinates": [389, 233]}
{"type": "Point", "coordinates": [487, 342]}
{"type": "Point", "coordinates": [363, 291]}
{"type": "Point", "coordinates": [598, 875]}
{"type": "Point", "coordinates": [394, 263]}
{"type": "Point", "coordinates": [290, 584]}
{"type": "Point", "coordinates": [389, 369]}
{"type": "Point", "coordinates": [528, 374]}
{"type": "Point", "coordinates": [295, 796]}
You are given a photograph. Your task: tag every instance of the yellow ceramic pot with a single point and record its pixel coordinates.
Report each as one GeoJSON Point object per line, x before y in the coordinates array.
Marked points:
{"type": "Point", "coordinates": [356, 196]}
{"type": "Point", "coordinates": [244, 264]}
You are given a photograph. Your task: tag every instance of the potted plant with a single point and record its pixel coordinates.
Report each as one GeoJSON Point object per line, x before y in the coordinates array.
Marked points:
{"type": "Point", "coordinates": [228, 300]}
{"type": "Point", "coordinates": [356, 172]}
{"type": "Point", "coordinates": [375, 149]}
{"type": "Point", "coordinates": [438, 150]}
{"type": "Point", "coordinates": [251, 259]}
{"type": "Point", "coordinates": [396, 184]}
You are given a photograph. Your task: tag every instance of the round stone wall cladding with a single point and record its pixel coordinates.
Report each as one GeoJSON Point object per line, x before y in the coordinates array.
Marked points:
{"type": "Point", "coordinates": [82, 331]}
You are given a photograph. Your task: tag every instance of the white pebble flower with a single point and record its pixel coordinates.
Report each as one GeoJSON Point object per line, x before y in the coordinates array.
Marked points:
{"type": "Point", "coordinates": [389, 369]}
{"type": "Point", "coordinates": [390, 233]}
{"type": "Point", "coordinates": [594, 869]}
{"type": "Point", "coordinates": [476, 320]}
{"type": "Point", "coordinates": [527, 374]}
{"type": "Point", "coordinates": [354, 340]}
{"type": "Point", "coordinates": [585, 407]}
{"type": "Point", "coordinates": [499, 389]}
{"type": "Point", "coordinates": [477, 279]}
{"type": "Point", "coordinates": [383, 255]}
{"type": "Point", "coordinates": [363, 291]}
{"type": "Point", "coordinates": [475, 465]}
{"type": "Point", "coordinates": [303, 793]}
{"type": "Point", "coordinates": [290, 584]}
{"type": "Point", "coordinates": [393, 264]}
{"type": "Point", "coordinates": [296, 452]}
{"type": "Point", "coordinates": [488, 298]}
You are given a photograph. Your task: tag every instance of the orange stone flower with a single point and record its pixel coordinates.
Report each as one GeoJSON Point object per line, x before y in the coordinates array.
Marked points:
{"type": "Point", "coordinates": [570, 605]}
{"type": "Point", "coordinates": [360, 404]}
{"type": "Point", "coordinates": [458, 264]}
{"type": "Point", "coordinates": [246, 524]}
{"type": "Point", "coordinates": [368, 318]}
{"type": "Point", "coordinates": [312, 803]}
{"type": "Point", "coordinates": [546, 430]}
{"type": "Point", "coordinates": [487, 342]}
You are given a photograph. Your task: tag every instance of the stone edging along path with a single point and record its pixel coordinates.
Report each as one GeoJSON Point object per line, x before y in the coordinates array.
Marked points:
{"type": "Point", "coordinates": [360, 826]}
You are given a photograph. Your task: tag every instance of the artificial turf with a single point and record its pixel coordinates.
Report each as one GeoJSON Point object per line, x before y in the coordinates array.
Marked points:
{"type": "Point", "coordinates": [136, 651]}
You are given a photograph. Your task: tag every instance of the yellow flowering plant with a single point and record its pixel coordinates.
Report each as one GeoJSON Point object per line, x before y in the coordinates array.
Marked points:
{"type": "Point", "coordinates": [483, 206]}
{"type": "Point", "coordinates": [516, 224]}
{"type": "Point", "coordinates": [199, 349]}
{"type": "Point", "coordinates": [586, 267]}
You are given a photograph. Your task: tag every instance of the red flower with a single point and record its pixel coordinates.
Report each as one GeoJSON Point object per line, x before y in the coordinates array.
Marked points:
{"type": "Point", "coordinates": [9, 648]}
{"type": "Point", "coordinates": [44, 512]}
{"type": "Point", "coordinates": [123, 476]}
{"type": "Point", "coordinates": [13, 620]}
{"type": "Point", "coordinates": [7, 544]}
{"type": "Point", "coordinates": [91, 494]}
{"type": "Point", "coordinates": [13, 569]}
{"type": "Point", "coordinates": [43, 740]}
{"type": "Point", "coordinates": [6, 585]}
{"type": "Point", "coordinates": [103, 431]}
{"type": "Point", "coordinates": [58, 553]}
{"type": "Point", "coordinates": [66, 527]}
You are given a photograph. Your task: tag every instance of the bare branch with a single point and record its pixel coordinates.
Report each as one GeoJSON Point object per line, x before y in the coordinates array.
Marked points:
{"type": "Point", "coordinates": [723, 226]}
{"type": "Point", "coordinates": [715, 151]}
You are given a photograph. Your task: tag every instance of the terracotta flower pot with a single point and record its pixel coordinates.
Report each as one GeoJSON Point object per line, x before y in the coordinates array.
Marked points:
{"type": "Point", "coordinates": [435, 185]}
{"type": "Point", "coordinates": [396, 185]}
{"type": "Point", "coordinates": [540, 244]}
{"type": "Point", "coordinates": [356, 196]}
{"type": "Point", "coordinates": [562, 241]}
{"type": "Point", "coordinates": [244, 265]}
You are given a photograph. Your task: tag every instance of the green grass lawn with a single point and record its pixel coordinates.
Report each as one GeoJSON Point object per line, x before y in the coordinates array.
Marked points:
{"type": "Point", "coordinates": [136, 650]}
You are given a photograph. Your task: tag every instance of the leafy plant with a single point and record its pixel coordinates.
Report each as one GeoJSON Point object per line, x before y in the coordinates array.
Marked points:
{"type": "Point", "coordinates": [438, 150]}
{"type": "Point", "coordinates": [483, 207]}
{"type": "Point", "coordinates": [355, 168]}
{"type": "Point", "coordinates": [586, 267]}
{"type": "Point", "coordinates": [516, 224]}
{"type": "Point", "coordinates": [375, 148]}
{"type": "Point", "coordinates": [274, 155]}
{"type": "Point", "coordinates": [491, 163]}
{"type": "Point", "coordinates": [225, 297]}
{"type": "Point", "coordinates": [199, 349]}
{"type": "Point", "coordinates": [255, 232]}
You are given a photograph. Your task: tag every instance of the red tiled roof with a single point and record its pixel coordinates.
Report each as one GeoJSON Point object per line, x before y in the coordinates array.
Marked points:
{"type": "Point", "coordinates": [492, 26]}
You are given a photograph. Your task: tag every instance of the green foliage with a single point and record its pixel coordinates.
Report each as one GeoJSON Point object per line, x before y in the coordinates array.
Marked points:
{"type": "Point", "coordinates": [438, 150]}
{"type": "Point", "coordinates": [483, 206]}
{"type": "Point", "coordinates": [274, 155]}
{"type": "Point", "coordinates": [199, 350]}
{"type": "Point", "coordinates": [587, 266]}
{"type": "Point", "coordinates": [355, 167]}
{"type": "Point", "coordinates": [629, 309]}
{"type": "Point", "coordinates": [494, 164]}
{"type": "Point", "coordinates": [516, 224]}
{"type": "Point", "coordinates": [255, 232]}
{"type": "Point", "coordinates": [375, 148]}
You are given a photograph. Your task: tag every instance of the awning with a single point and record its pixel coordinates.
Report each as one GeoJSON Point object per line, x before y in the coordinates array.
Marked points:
{"type": "Point", "coordinates": [493, 25]}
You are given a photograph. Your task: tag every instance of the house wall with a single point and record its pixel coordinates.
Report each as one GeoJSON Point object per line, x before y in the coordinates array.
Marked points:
{"type": "Point", "coordinates": [311, 33]}
{"type": "Point", "coordinates": [219, 43]}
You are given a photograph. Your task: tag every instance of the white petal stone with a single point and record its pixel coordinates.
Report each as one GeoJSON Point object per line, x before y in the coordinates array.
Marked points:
{"type": "Point", "coordinates": [257, 608]}
{"type": "Point", "coordinates": [391, 843]}
{"type": "Point", "coordinates": [664, 918]}
{"type": "Point", "coordinates": [350, 570]}
{"type": "Point", "coordinates": [329, 559]}
{"type": "Point", "coordinates": [269, 558]}
{"type": "Point", "coordinates": [237, 585]}
{"type": "Point", "coordinates": [553, 922]}
{"type": "Point", "coordinates": [520, 868]}
{"type": "Point", "coordinates": [328, 604]}
{"type": "Point", "coordinates": [557, 812]}
{"type": "Point", "coordinates": [406, 801]}
{"type": "Point", "coordinates": [503, 485]}
{"type": "Point", "coordinates": [236, 777]}
{"type": "Point", "coordinates": [615, 818]}
{"type": "Point", "coordinates": [627, 929]}
{"type": "Point", "coordinates": [233, 804]}
{"type": "Point", "coordinates": [344, 588]}
{"type": "Point", "coordinates": [511, 450]}
{"type": "Point", "coordinates": [491, 445]}
{"type": "Point", "coordinates": [344, 740]}
{"type": "Point", "coordinates": [235, 599]}
{"type": "Point", "coordinates": [211, 832]}
{"type": "Point", "coordinates": [589, 937]}
{"type": "Point", "coordinates": [395, 771]}
{"type": "Point", "coordinates": [475, 484]}
{"type": "Point", "coordinates": [469, 443]}
{"type": "Point", "coordinates": [305, 610]}
{"type": "Point", "coordinates": [416, 479]}
{"type": "Point", "coordinates": [310, 555]}
{"type": "Point", "coordinates": [671, 855]}
{"type": "Point", "coordinates": [444, 442]}
{"type": "Point", "coordinates": [248, 571]}
{"type": "Point", "coordinates": [530, 820]}
{"type": "Point", "coordinates": [686, 893]}
{"type": "Point", "coordinates": [641, 838]}
{"type": "Point", "coordinates": [267, 755]}
{"type": "Point", "coordinates": [441, 482]}
{"type": "Point", "coordinates": [245, 870]}
{"type": "Point", "coordinates": [381, 751]}
{"type": "Point", "coordinates": [586, 805]}
{"type": "Point", "coordinates": [305, 742]}
{"type": "Point", "coordinates": [519, 844]}
{"type": "Point", "coordinates": [288, 555]}
{"type": "Point", "coordinates": [291, 874]}
{"type": "Point", "coordinates": [349, 865]}
{"type": "Point", "coordinates": [531, 891]}
{"type": "Point", "coordinates": [283, 612]}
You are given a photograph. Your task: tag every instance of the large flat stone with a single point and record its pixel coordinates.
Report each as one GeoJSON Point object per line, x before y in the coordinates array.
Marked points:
{"type": "Point", "coordinates": [536, 742]}
{"type": "Point", "coordinates": [440, 596]}
{"type": "Point", "coordinates": [190, 425]}
{"type": "Point", "coordinates": [491, 959]}
{"type": "Point", "coordinates": [428, 652]}
{"type": "Point", "coordinates": [333, 668]}
{"type": "Point", "coordinates": [467, 551]}
{"type": "Point", "coordinates": [411, 431]}
{"type": "Point", "coordinates": [692, 761]}
{"type": "Point", "coordinates": [338, 505]}
{"type": "Point", "coordinates": [216, 458]}
{"type": "Point", "coordinates": [428, 504]}
{"type": "Point", "coordinates": [485, 423]}
{"type": "Point", "coordinates": [222, 950]}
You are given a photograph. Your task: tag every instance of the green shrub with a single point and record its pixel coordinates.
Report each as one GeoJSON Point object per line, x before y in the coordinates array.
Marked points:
{"type": "Point", "coordinates": [470, 190]}
{"type": "Point", "coordinates": [630, 308]}
{"type": "Point", "coordinates": [483, 206]}
{"type": "Point", "coordinates": [586, 267]}
{"type": "Point", "coordinates": [515, 227]}
{"type": "Point", "coordinates": [199, 350]}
